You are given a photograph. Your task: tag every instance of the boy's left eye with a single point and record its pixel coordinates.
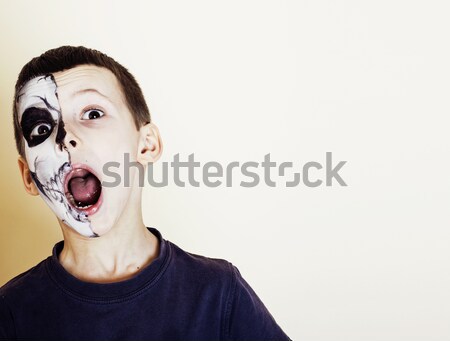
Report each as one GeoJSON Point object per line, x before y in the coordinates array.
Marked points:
{"type": "Point", "coordinates": [92, 114]}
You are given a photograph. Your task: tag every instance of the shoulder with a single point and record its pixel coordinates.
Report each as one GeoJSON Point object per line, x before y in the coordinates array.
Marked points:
{"type": "Point", "coordinates": [245, 317]}
{"type": "Point", "coordinates": [199, 266]}
{"type": "Point", "coordinates": [24, 281]}
{"type": "Point", "coordinates": [15, 293]}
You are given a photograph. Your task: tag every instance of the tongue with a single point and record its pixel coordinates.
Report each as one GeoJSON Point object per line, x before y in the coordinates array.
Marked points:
{"type": "Point", "coordinates": [85, 190]}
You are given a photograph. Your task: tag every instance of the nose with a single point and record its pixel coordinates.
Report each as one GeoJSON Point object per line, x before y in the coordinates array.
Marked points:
{"type": "Point", "coordinates": [66, 139]}
{"type": "Point", "coordinates": [71, 141]}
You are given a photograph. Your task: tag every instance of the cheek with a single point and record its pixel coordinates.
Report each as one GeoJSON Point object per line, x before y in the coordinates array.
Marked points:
{"type": "Point", "coordinates": [44, 158]}
{"type": "Point", "coordinates": [115, 146]}
{"type": "Point", "coordinates": [114, 135]}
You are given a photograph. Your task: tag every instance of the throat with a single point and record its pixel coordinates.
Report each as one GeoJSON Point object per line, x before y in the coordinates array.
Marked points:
{"type": "Point", "coordinates": [101, 261]}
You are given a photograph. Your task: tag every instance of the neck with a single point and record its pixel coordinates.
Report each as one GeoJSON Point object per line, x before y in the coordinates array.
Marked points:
{"type": "Point", "coordinates": [115, 256]}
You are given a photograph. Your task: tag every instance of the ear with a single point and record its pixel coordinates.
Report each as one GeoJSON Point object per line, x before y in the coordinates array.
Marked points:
{"type": "Point", "coordinates": [150, 145]}
{"type": "Point", "coordinates": [30, 187]}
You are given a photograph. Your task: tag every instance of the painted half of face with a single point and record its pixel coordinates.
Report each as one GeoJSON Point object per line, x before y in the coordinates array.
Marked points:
{"type": "Point", "coordinates": [71, 193]}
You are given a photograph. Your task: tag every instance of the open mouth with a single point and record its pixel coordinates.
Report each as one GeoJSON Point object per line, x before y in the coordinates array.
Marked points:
{"type": "Point", "coordinates": [83, 189]}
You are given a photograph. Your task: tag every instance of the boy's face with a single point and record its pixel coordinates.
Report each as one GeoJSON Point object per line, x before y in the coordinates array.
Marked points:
{"type": "Point", "coordinates": [73, 122]}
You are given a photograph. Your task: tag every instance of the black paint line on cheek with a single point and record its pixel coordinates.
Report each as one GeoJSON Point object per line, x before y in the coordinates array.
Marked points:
{"type": "Point", "coordinates": [58, 176]}
{"type": "Point", "coordinates": [39, 184]}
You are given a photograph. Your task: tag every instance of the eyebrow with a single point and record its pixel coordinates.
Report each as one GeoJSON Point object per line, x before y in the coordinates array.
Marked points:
{"type": "Point", "coordinates": [92, 90]}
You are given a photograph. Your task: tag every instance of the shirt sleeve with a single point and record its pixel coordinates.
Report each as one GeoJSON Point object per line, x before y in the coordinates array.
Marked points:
{"type": "Point", "coordinates": [7, 330]}
{"type": "Point", "coordinates": [248, 319]}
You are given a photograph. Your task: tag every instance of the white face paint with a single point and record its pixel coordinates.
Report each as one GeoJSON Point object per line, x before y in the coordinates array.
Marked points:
{"type": "Point", "coordinates": [48, 159]}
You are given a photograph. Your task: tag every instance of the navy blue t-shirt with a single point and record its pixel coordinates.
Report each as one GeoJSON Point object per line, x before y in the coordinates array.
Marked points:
{"type": "Point", "coordinates": [179, 296]}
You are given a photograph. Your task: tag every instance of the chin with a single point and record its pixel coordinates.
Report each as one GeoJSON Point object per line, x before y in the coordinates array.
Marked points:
{"type": "Point", "coordinates": [100, 228]}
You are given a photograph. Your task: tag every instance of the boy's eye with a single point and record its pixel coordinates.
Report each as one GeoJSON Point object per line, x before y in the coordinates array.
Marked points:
{"type": "Point", "coordinates": [40, 130]}
{"type": "Point", "coordinates": [37, 125]}
{"type": "Point", "coordinates": [92, 114]}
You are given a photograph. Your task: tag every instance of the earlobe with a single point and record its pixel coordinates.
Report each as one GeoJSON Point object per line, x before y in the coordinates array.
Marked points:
{"type": "Point", "coordinates": [30, 187]}
{"type": "Point", "coordinates": [150, 144]}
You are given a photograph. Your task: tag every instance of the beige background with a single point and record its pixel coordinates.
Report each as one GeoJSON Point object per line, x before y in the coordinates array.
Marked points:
{"type": "Point", "coordinates": [234, 80]}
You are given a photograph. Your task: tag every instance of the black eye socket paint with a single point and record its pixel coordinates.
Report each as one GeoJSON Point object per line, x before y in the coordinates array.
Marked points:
{"type": "Point", "coordinates": [32, 118]}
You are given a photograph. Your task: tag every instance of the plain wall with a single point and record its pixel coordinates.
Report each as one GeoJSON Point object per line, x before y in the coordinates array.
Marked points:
{"type": "Point", "coordinates": [235, 80]}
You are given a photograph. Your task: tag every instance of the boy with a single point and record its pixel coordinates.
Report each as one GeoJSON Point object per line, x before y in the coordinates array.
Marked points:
{"type": "Point", "coordinates": [111, 278]}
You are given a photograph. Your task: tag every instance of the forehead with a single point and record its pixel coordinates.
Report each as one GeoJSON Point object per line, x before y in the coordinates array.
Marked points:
{"type": "Point", "coordinates": [85, 77]}
{"type": "Point", "coordinates": [68, 84]}
{"type": "Point", "coordinates": [38, 92]}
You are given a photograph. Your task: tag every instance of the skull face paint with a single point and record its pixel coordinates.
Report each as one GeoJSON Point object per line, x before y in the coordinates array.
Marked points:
{"type": "Point", "coordinates": [74, 122]}
{"type": "Point", "coordinates": [48, 158]}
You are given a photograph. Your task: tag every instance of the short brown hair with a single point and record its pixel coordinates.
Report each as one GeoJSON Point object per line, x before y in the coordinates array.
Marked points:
{"type": "Point", "coordinates": [67, 57]}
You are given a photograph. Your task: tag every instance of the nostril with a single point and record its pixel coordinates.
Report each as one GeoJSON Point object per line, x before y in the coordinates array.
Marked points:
{"type": "Point", "coordinates": [73, 143]}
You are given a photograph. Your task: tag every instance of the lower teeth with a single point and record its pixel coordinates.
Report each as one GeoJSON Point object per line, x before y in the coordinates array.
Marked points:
{"type": "Point", "coordinates": [80, 205]}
